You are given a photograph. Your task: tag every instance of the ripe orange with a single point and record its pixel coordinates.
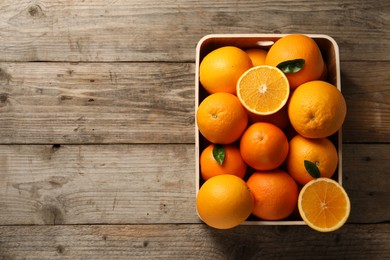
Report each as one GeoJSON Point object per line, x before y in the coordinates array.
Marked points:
{"type": "Point", "coordinates": [319, 151]}
{"type": "Point", "coordinates": [280, 118]}
{"type": "Point", "coordinates": [257, 56]}
{"type": "Point", "coordinates": [263, 90]}
{"type": "Point", "coordinates": [275, 194]}
{"type": "Point", "coordinates": [324, 205]}
{"type": "Point", "coordinates": [263, 146]}
{"type": "Point", "coordinates": [221, 118]}
{"type": "Point", "coordinates": [220, 69]}
{"type": "Point", "coordinates": [232, 162]}
{"type": "Point", "coordinates": [317, 109]}
{"type": "Point", "coordinates": [296, 46]}
{"type": "Point", "coordinates": [224, 201]}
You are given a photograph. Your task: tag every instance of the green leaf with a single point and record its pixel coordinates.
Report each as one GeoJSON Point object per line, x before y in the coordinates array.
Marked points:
{"type": "Point", "coordinates": [312, 169]}
{"type": "Point", "coordinates": [219, 153]}
{"type": "Point", "coordinates": [291, 66]}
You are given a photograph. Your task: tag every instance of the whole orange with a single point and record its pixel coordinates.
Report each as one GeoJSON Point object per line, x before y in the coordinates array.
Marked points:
{"type": "Point", "coordinates": [275, 194]}
{"type": "Point", "coordinates": [220, 69]}
{"type": "Point", "coordinates": [257, 56]}
{"type": "Point", "coordinates": [317, 109]}
{"type": "Point", "coordinates": [297, 46]}
{"type": "Point", "coordinates": [232, 162]}
{"type": "Point", "coordinates": [263, 146]}
{"type": "Point", "coordinates": [320, 151]}
{"type": "Point", "coordinates": [224, 201]}
{"type": "Point", "coordinates": [221, 118]}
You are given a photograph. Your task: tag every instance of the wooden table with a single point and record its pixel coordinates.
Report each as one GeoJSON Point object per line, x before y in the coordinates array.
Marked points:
{"type": "Point", "coordinates": [97, 128]}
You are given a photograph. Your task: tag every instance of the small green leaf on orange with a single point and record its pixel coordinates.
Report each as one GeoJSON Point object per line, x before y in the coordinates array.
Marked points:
{"type": "Point", "coordinates": [291, 66]}
{"type": "Point", "coordinates": [219, 153]}
{"type": "Point", "coordinates": [312, 169]}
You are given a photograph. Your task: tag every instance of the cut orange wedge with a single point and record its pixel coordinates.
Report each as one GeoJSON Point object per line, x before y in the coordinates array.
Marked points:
{"type": "Point", "coordinates": [263, 90]}
{"type": "Point", "coordinates": [324, 205]}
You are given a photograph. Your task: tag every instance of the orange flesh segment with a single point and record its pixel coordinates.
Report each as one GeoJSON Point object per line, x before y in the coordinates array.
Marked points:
{"type": "Point", "coordinates": [263, 90]}
{"type": "Point", "coordinates": [324, 205]}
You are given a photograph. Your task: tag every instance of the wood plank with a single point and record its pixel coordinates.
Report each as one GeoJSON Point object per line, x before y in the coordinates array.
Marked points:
{"type": "Point", "coordinates": [97, 184]}
{"type": "Point", "coordinates": [57, 30]}
{"type": "Point", "coordinates": [96, 103]}
{"type": "Point", "coordinates": [366, 87]}
{"type": "Point", "coordinates": [193, 242]}
{"type": "Point", "coordinates": [46, 103]}
{"type": "Point", "coordinates": [366, 179]}
{"type": "Point", "coordinates": [127, 184]}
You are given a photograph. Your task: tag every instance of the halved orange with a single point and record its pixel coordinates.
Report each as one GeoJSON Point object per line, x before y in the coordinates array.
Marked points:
{"type": "Point", "coordinates": [263, 90]}
{"type": "Point", "coordinates": [324, 205]}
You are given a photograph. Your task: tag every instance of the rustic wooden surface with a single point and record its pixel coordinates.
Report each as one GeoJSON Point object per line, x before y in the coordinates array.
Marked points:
{"type": "Point", "coordinates": [97, 128]}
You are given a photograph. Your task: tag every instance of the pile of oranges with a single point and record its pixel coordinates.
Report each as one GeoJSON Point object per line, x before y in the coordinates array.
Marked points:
{"type": "Point", "coordinates": [267, 118]}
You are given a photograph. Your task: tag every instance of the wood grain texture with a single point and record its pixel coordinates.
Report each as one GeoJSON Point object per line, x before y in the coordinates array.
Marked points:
{"type": "Point", "coordinates": [97, 184]}
{"type": "Point", "coordinates": [366, 88]}
{"type": "Point", "coordinates": [81, 103]}
{"type": "Point", "coordinates": [97, 128]}
{"type": "Point", "coordinates": [59, 30]}
{"type": "Point", "coordinates": [193, 242]}
{"type": "Point", "coordinates": [133, 184]}
{"type": "Point", "coordinates": [96, 103]}
{"type": "Point", "coordinates": [366, 178]}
